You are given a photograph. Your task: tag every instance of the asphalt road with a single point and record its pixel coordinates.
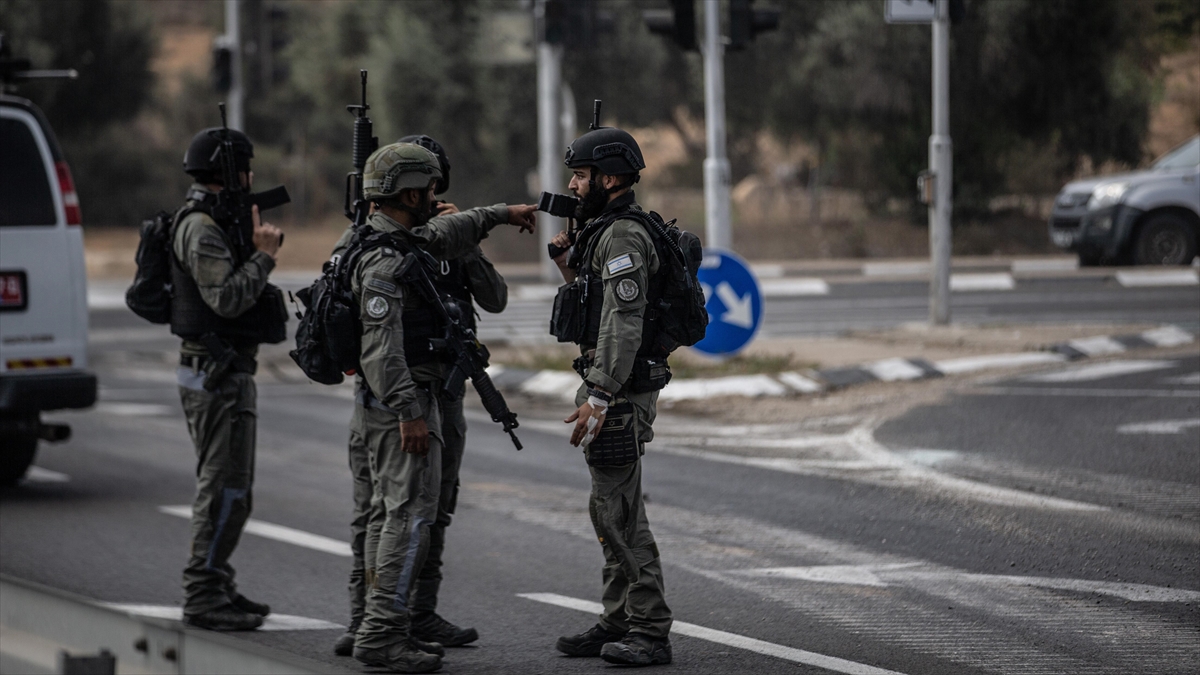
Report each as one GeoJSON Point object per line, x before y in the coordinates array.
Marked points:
{"type": "Point", "coordinates": [1044, 523]}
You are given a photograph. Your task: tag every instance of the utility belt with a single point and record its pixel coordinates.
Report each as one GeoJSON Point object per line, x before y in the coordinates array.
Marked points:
{"type": "Point", "coordinates": [222, 359]}
{"type": "Point", "coordinates": [364, 397]}
{"type": "Point", "coordinates": [649, 373]}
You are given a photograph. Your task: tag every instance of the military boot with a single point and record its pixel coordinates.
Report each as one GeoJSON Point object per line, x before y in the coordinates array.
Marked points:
{"type": "Point", "coordinates": [227, 617]}
{"type": "Point", "coordinates": [433, 628]}
{"type": "Point", "coordinates": [428, 647]}
{"type": "Point", "coordinates": [638, 649]}
{"type": "Point", "coordinates": [587, 643]}
{"type": "Point", "coordinates": [247, 605]}
{"type": "Point", "coordinates": [345, 642]}
{"type": "Point", "coordinates": [400, 657]}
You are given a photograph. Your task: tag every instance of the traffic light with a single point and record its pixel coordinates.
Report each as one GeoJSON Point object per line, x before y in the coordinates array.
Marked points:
{"type": "Point", "coordinates": [278, 40]}
{"type": "Point", "coordinates": [575, 23]}
{"type": "Point", "coordinates": [677, 23]}
{"type": "Point", "coordinates": [745, 22]}
{"type": "Point", "coordinates": [222, 69]}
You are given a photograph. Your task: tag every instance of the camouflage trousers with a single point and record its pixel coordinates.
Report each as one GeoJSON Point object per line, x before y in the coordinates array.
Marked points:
{"type": "Point", "coordinates": [404, 506]}
{"type": "Point", "coordinates": [222, 424]}
{"type": "Point", "coordinates": [633, 593]}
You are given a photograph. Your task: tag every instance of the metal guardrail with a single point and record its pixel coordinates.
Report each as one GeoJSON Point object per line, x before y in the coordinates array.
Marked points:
{"type": "Point", "coordinates": [46, 630]}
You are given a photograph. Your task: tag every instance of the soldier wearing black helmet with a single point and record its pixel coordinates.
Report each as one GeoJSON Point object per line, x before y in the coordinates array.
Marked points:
{"type": "Point", "coordinates": [218, 293]}
{"type": "Point", "coordinates": [467, 279]}
{"type": "Point", "coordinates": [611, 267]}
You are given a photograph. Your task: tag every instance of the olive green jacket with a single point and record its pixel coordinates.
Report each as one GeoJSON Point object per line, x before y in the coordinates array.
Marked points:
{"type": "Point", "coordinates": [625, 258]}
{"type": "Point", "coordinates": [205, 251]}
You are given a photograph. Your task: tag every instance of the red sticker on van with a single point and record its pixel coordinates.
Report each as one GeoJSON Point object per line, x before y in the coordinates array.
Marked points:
{"type": "Point", "coordinates": [13, 294]}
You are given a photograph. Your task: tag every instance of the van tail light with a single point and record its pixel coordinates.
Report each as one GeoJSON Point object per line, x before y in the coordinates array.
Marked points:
{"type": "Point", "coordinates": [66, 186]}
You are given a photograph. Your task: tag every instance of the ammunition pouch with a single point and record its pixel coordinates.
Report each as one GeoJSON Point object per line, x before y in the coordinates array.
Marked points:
{"type": "Point", "coordinates": [574, 318]}
{"type": "Point", "coordinates": [617, 443]}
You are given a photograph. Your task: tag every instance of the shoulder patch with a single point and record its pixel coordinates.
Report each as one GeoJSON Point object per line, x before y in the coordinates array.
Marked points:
{"type": "Point", "coordinates": [377, 306]}
{"type": "Point", "coordinates": [387, 252]}
{"type": "Point", "coordinates": [619, 264]}
{"type": "Point", "coordinates": [627, 290]}
{"type": "Point", "coordinates": [380, 284]}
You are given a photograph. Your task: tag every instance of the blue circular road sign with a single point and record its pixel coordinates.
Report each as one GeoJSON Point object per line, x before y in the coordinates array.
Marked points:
{"type": "Point", "coordinates": [734, 303]}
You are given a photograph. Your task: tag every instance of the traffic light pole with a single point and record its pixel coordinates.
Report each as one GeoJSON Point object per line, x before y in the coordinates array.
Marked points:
{"type": "Point", "coordinates": [717, 232]}
{"type": "Point", "coordinates": [233, 38]}
{"type": "Point", "coordinates": [941, 165]}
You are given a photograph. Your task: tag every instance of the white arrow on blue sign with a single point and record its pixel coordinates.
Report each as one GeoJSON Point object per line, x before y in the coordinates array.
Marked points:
{"type": "Point", "coordinates": [733, 301]}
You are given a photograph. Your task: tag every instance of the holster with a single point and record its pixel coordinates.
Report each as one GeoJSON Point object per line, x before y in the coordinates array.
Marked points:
{"type": "Point", "coordinates": [617, 443]}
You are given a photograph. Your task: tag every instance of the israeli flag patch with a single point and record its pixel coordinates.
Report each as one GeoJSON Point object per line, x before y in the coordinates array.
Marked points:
{"type": "Point", "coordinates": [620, 264]}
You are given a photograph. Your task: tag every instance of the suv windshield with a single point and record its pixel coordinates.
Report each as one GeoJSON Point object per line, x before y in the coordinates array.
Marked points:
{"type": "Point", "coordinates": [1183, 157]}
{"type": "Point", "coordinates": [25, 197]}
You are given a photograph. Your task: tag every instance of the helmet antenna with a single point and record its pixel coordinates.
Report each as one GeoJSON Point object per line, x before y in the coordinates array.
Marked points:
{"type": "Point", "coordinates": [595, 114]}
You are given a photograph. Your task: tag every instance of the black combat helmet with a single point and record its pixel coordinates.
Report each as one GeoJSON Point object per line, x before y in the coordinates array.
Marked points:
{"type": "Point", "coordinates": [201, 159]}
{"type": "Point", "coordinates": [609, 149]}
{"type": "Point", "coordinates": [436, 148]}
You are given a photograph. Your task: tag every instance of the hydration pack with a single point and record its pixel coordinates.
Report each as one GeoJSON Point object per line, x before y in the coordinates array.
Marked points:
{"type": "Point", "coordinates": [679, 305]}
{"type": "Point", "coordinates": [150, 294]}
{"type": "Point", "coordinates": [329, 335]}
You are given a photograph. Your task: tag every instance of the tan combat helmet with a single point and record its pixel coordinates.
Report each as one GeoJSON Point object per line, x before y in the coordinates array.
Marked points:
{"type": "Point", "coordinates": [396, 167]}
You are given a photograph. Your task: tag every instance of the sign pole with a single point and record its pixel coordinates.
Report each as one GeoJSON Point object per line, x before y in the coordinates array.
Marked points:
{"type": "Point", "coordinates": [941, 165]}
{"type": "Point", "coordinates": [234, 38]}
{"type": "Point", "coordinates": [716, 166]}
{"type": "Point", "coordinates": [550, 147]}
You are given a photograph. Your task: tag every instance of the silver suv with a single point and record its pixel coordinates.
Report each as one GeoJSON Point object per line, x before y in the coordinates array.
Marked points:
{"type": "Point", "coordinates": [1149, 217]}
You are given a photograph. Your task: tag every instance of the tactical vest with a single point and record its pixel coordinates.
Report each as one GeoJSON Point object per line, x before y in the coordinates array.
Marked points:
{"type": "Point", "coordinates": [451, 280]}
{"type": "Point", "coordinates": [192, 318]}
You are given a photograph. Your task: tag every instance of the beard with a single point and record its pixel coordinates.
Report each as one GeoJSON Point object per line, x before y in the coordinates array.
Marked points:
{"type": "Point", "coordinates": [423, 211]}
{"type": "Point", "coordinates": [591, 204]}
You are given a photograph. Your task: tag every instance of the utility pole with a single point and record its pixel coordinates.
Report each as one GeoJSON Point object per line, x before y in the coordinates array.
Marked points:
{"type": "Point", "coordinates": [233, 40]}
{"type": "Point", "coordinates": [716, 165]}
{"type": "Point", "coordinates": [941, 165]}
{"type": "Point", "coordinates": [550, 148]}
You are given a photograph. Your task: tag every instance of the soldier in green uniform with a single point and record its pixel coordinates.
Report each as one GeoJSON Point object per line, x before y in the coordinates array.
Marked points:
{"type": "Point", "coordinates": [401, 415]}
{"type": "Point", "coordinates": [221, 304]}
{"type": "Point", "coordinates": [613, 265]}
{"type": "Point", "coordinates": [469, 277]}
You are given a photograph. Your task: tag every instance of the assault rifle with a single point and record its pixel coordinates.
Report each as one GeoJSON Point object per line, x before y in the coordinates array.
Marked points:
{"type": "Point", "coordinates": [234, 201]}
{"type": "Point", "coordinates": [470, 355]}
{"type": "Point", "coordinates": [356, 207]}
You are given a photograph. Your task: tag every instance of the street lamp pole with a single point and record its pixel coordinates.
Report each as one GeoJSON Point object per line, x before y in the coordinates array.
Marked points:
{"type": "Point", "coordinates": [716, 166]}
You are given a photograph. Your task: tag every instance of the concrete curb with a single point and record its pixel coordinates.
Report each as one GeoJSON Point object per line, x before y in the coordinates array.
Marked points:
{"type": "Point", "coordinates": [563, 384]}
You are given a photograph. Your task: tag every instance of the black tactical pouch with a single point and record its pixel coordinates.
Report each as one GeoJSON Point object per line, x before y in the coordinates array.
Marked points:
{"type": "Point", "coordinates": [269, 315]}
{"type": "Point", "coordinates": [649, 374]}
{"type": "Point", "coordinates": [617, 443]}
{"type": "Point", "coordinates": [566, 321]}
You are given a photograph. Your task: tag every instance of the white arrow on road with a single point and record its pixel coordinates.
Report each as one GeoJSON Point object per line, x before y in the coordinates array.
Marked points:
{"type": "Point", "coordinates": [738, 310]}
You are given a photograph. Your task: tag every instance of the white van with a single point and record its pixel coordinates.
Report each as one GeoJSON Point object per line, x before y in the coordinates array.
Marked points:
{"type": "Point", "coordinates": [43, 288]}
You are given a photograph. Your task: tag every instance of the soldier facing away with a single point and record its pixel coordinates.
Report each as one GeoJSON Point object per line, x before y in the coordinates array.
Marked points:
{"type": "Point", "coordinates": [464, 279]}
{"type": "Point", "coordinates": [223, 308]}
{"type": "Point", "coordinates": [402, 375]}
{"type": "Point", "coordinates": [611, 271]}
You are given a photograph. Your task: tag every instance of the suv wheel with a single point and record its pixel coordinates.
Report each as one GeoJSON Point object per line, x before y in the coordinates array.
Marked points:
{"type": "Point", "coordinates": [1165, 239]}
{"type": "Point", "coordinates": [20, 441]}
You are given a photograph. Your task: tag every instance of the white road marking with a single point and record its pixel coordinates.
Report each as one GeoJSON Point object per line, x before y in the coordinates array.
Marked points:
{"type": "Point", "coordinates": [1100, 371]}
{"type": "Point", "coordinates": [1193, 378]}
{"type": "Point", "coordinates": [1086, 393]}
{"type": "Point", "coordinates": [973, 363]}
{"type": "Point", "coordinates": [535, 292]}
{"type": "Point", "coordinates": [788, 288]}
{"type": "Point", "coordinates": [1045, 265]}
{"type": "Point", "coordinates": [105, 298]}
{"type": "Point", "coordinates": [123, 409]}
{"type": "Point", "coordinates": [271, 622]}
{"type": "Point", "coordinates": [892, 370]}
{"type": "Point", "coordinates": [999, 281]}
{"type": "Point", "coordinates": [888, 574]}
{"type": "Point", "coordinates": [897, 269]}
{"type": "Point", "coordinates": [767, 270]}
{"type": "Point", "coordinates": [37, 474]}
{"type": "Point", "coordinates": [1097, 346]}
{"type": "Point", "coordinates": [278, 532]}
{"type": "Point", "coordinates": [729, 639]}
{"type": "Point", "coordinates": [736, 385]}
{"type": "Point", "coordinates": [1168, 336]}
{"type": "Point", "coordinates": [800, 383]}
{"type": "Point", "coordinates": [1159, 427]}
{"type": "Point", "coordinates": [1139, 278]}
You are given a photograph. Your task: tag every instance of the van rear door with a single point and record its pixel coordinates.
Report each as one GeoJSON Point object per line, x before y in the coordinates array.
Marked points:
{"type": "Point", "coordinates": [43, 287]}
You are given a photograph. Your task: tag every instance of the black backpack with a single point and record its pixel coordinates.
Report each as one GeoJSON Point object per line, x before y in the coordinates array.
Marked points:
{"type": "Point", "coordinates": [329, 337]}
{"type": "Point", "coordinates": [150, 294]}
{"type": "Point", "coordinates": [680, 305]}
